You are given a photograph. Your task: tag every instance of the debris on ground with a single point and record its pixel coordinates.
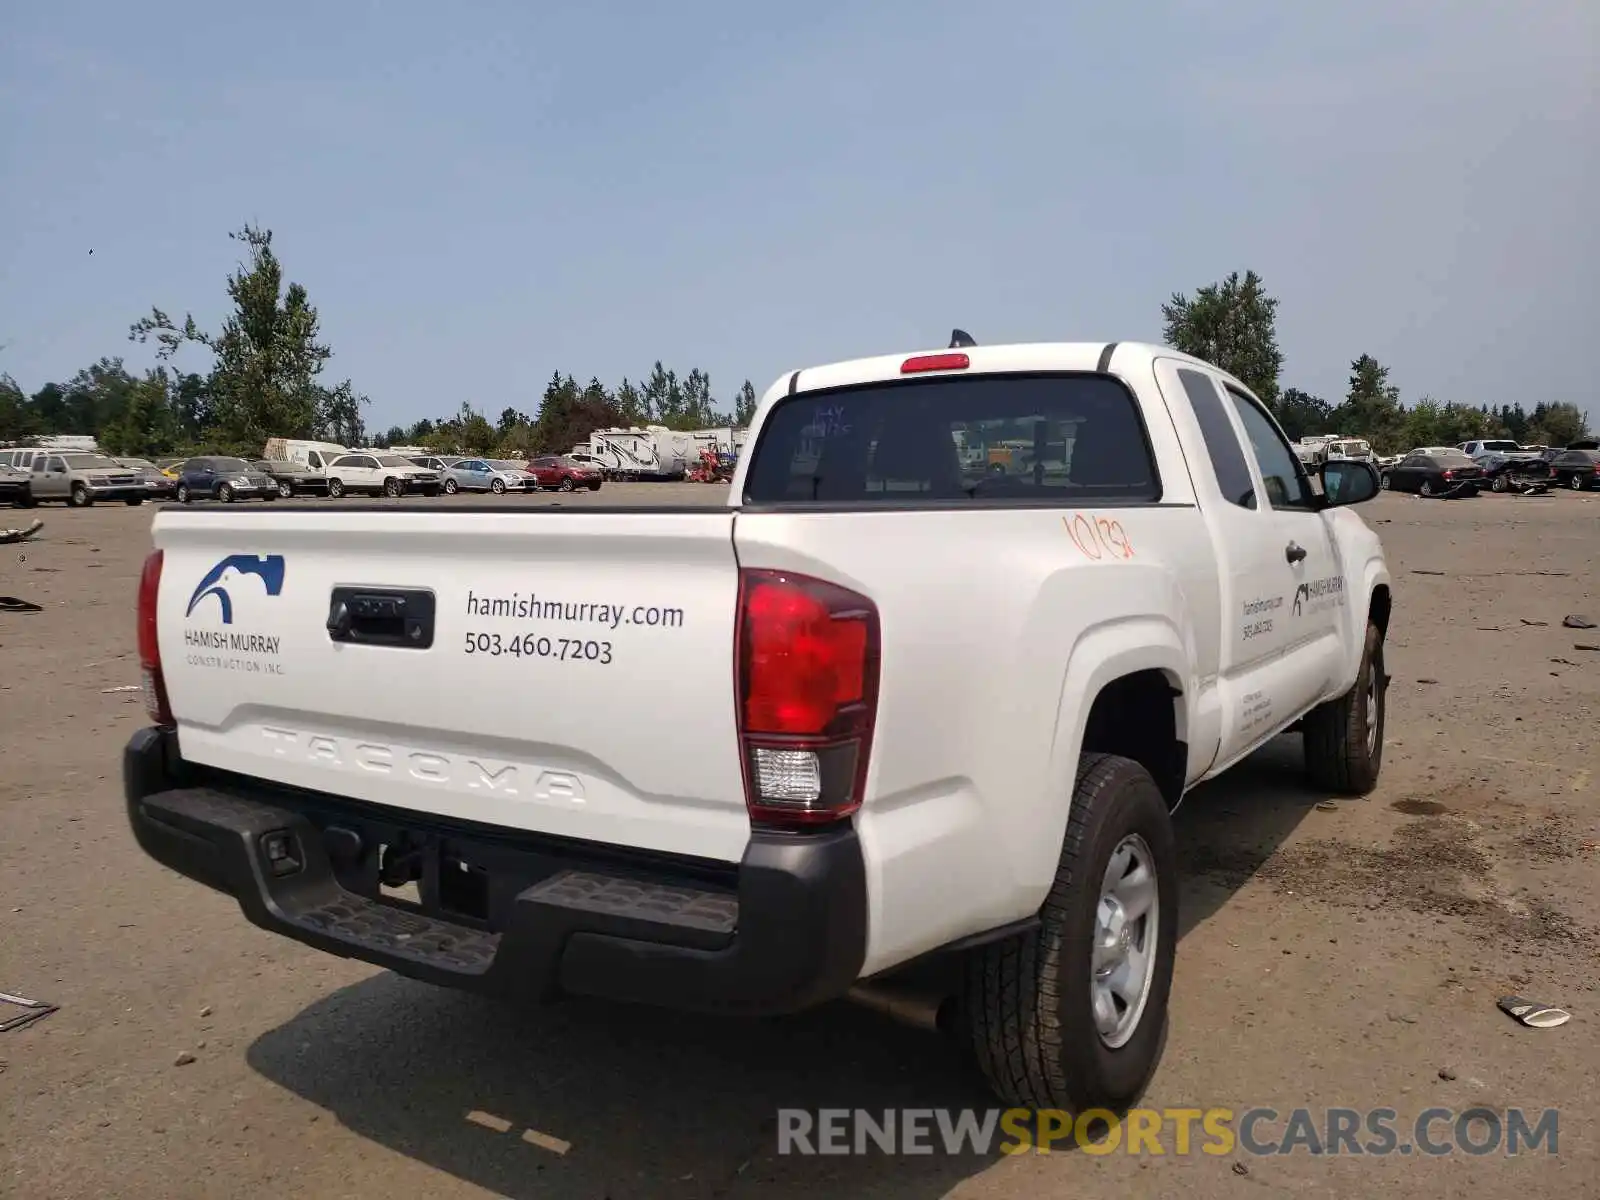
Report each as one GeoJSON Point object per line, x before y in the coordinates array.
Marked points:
{"type": "Point", "coordinates": [20, 535]}
{"type": "Point", "coordinates": [1584, 646]}
{"type": "Point", "coordinates": [1446, 1074]}
{"type": "Point", "coordinates": [1525, 621]}
{"type": "Point", "coordinates": [127, 687]}
{"type": "Point", "coordinates": [184, 1059]}
{"type": "Point", "coordinates": [1531, 1014]}
{"type": "Point", "coordinates": [13, 604]}
{"type": "Point", "coordinates": [1327, 806]}
{"type": "Point", "coordinates": [1574, 621]}
{"type": "Point", "coordinates": [34, 1010]}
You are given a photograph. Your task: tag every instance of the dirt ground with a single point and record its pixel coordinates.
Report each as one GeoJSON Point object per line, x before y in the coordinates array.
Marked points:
{"type": "Point", "coordinates": [1344, 954]}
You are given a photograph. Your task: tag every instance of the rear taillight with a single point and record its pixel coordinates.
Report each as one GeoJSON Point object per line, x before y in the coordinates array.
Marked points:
{"type": "Point", "coordinates": [806, 672]}
{"type": "Point", "coordinates": [1449, 474]}
{"type": "Point", "coordinates": [155, 686]}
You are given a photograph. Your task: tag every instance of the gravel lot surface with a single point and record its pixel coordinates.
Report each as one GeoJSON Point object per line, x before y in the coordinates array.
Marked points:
{"type": "Point", "coordinates": [1333, 955]}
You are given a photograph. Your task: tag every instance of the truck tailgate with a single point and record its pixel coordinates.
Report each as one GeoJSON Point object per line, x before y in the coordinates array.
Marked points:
{"type": "Point", "coordinates": [579, 679]}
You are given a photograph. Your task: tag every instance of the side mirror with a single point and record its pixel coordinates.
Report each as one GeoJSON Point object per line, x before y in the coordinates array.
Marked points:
{"type": "Point", "coordinates": [1348, 481]}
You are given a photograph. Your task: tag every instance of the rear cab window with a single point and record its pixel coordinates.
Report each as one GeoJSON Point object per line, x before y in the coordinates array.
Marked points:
{"type": "Point", "coordinates": [1056, 438]}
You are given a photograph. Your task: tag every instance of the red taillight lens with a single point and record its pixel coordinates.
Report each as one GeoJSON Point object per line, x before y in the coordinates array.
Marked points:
{"type": "Point", "coordinates": [935, 362]}
{"type": "Point", "coordinates": [1449, 474]}
{"type": "Point", "coordinates": [155, 686]}
{"type": "Point", "coordinates": [807, 664]}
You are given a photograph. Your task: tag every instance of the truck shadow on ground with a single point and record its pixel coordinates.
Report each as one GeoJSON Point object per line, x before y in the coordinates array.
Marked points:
{"type": "Point", "coordinates": [659, 1104]}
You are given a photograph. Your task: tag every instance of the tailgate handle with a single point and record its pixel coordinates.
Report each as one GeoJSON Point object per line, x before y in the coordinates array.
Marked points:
{"type": "Point", "coordinates": [381, 617]}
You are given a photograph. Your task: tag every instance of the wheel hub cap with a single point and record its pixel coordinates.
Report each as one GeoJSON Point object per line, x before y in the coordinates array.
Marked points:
{"type": "Point", "coordinates": [1127, 927]}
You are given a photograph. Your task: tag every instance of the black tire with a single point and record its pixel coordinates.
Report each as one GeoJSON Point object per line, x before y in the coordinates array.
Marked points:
{"type": "Point", "coordinates": [1501, 484]}
{"type": "Point", "coordinates": [393, 488]}
{"type": "Point", "coordinates": [24, 498]}
{"type": "Point", "coordinates": [497, 486]}
{"type": "Point", "coordinates": [431, 490]}
{"type": "Point", "coordinates": [336, 489]}
{"type": "Point", "coordinates": [1343, 754]}
{"type": "Point", "coordinates": [451, 487]}
{"type": "Point", "coordinates": [183, 493]}
{"type": "Point", "coordinates": [566, 484]}
{"type": "Point", "coordinates": [1027, 1000]}
{"type": "Point", "coordinates": [595, 486]}
{"type": "Point", "coordinates": [1427, 487]}
{"type": "Point", "coordinates": [285, 488]}
{"type": "Point", "coordinates": [225, 493]}
{"type": "Point", "coordinates": [1384, 482]}
{"type": "Point", "coordinates": [1575, 482]}
{"type": "Point", "coordinates": [269, 496]}
{"type": "Point", "coordinates": [133, 501]}
{"type": "Point", "coordinates": [79, 496]}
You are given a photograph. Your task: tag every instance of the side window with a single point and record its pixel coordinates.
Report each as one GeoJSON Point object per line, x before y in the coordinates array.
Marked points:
{"type": "Point", "coordinates": [1222, 443]}
{"type": "Point", "coordinates": [57, 464]}
{"type": "Point", "coordinates": [1281, 473]}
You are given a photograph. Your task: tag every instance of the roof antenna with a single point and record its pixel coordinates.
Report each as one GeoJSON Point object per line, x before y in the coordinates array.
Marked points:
{"type": "Point", "coordinates": [960, 337]}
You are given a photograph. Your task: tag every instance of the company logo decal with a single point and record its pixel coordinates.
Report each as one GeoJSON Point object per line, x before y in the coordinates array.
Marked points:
{"type": "Point", "coordinates": [1318, 594]}
{"type": "Point", "coordinates": [267, 567]}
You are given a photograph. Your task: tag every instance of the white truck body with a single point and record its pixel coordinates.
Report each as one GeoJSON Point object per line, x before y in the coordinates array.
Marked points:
{"type": "Point", "coordinates": [316, 455]}
{"type": "Point", "coordinates": [1001, 625]}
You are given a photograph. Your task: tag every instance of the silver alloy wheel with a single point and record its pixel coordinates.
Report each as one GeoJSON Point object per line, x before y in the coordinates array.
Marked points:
{"type": "Point", "coordinates": [1127, 925]}
{"type": "Point", "coordinates": [1373, 701]}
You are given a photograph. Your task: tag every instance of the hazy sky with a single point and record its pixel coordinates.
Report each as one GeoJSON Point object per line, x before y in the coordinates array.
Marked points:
{"type": "Point", "coordinates": [479, 194]}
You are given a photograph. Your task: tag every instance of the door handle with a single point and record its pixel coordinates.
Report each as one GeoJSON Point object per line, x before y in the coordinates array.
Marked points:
{"type": "Point", "coordinates": [381, 617]}
{"type": "Point", "coordinates": [1294, 553]}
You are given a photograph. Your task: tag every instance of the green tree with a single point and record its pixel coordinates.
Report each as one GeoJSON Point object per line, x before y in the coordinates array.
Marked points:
{"type": "Point", "coordinates": [267, 356]}
{"type": "Point", "coordinates": [1302, 414]}
{"type": "Point", "coordinates": [744, 404]}
{"type": "Point", "coordinates": [474, 434]}
{"type": "Point", "coordinates": [1232, 325]}
{"type": "Point", "coordinates": [1557, 424]}
{"type": "Point", "coordinates": [1372, 408]}
{"type": "Point", "coordinates": [18, 419]}
{"type": "Point", "coordinates": [148, 424]}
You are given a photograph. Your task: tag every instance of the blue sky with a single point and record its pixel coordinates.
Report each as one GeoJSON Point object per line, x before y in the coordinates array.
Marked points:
{"type": "Point", "coordinates": [478, 195]}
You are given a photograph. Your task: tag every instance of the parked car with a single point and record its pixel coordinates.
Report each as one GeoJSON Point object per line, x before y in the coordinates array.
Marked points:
{"type": "Point", "coordinates": [216, 477]}
{"type": "Point", "coordinates": [842, 783]}
{"type": "Point", "coordinates": [1513, 472]}
{"type": "Point", "coordinates": [1434, 473]}
{"type": "Point", "coordinates": [379, 474]}
{"type": "Point", "coordinates": [1576, 469]}
{"type": "Point", "coordinates": [158, 485]}
{"type": "Point", "coordinates": [481, 475]}
{"type": "Point", "coordinates": [293, 478]}
{"type": "Point", "coordinates": [80, 478]}
{"type": "Point", "coordinates": [1492, 446]}
{"type": "Point", "coordinates": [439, 463]}
{"type": "Point", "coordinates": [559, 471]}
{"type": "Point", "coordinates": [16, 485]}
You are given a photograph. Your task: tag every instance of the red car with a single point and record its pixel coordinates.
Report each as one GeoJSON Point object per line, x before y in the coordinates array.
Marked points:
{"type": "Point", "coordinates": [563, 473]}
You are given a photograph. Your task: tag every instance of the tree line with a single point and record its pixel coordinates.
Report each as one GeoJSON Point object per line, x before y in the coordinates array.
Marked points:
{"type": "Point", "coordinates": [264, 378]}
{"type": "Point", "coordinates": [1233, 325]}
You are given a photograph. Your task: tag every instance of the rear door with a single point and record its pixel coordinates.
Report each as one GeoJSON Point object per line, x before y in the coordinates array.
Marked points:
{"type": "Point", "coordinates": [578, 680]}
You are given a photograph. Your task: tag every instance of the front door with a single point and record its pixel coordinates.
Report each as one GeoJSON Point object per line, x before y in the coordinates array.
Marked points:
{"type": "Point", "coordinates": [1270, 670]}
{"type": "Point", "coordinates": [50, 480]}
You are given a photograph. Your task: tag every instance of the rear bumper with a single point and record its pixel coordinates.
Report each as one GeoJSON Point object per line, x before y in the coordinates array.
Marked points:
{"type": "Point", "coordinates": [536, 917]}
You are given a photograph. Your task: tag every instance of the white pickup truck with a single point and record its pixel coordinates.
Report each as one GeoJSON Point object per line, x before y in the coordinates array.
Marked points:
{"type": "Point", "coordinates": [893, 704]}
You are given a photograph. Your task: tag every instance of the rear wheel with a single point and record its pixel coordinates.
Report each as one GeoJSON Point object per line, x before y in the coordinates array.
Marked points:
{"type": "Point", "coordinates": [451, 487]}
{"type": "Point", "coordinates": [183, 493]}
{"type": "Point", "coordinates": [1344, 737]}
{"type": "Point", "coordinates": [1384, 482]}
{"type": "Point", "coordinates": [1501, 484]}
{"type": "Point", "coordinates": [1073, 1015]}
{"type": "Point", "coordinates": [336, 488]}
{"type": "Point", "coordinates": [24, 498]}
{"type": "Point", "coordinates": [566, 484]}
{"type": "Point", "coordinates": [285, 488]}
{"type": "Point", "coordinates": [133, 501]}
{"type": "Point", "coordinates": [1575, 482]}
{"type": "Point", "coordinates": [595, 486]}
{"type": "Point", "coordinates": [1427, 487]}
